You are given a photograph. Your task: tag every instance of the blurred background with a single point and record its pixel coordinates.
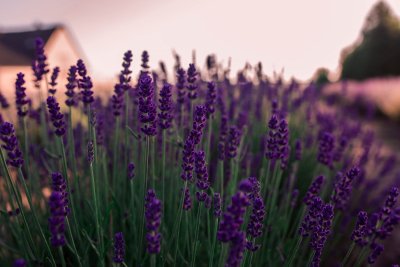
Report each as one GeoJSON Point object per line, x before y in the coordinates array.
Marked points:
{"type": "Point", "coordinates": [350, 47]}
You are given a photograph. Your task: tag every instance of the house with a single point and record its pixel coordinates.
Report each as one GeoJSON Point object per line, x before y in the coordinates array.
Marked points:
{"type": "Point", "coordinates": [17, 51]}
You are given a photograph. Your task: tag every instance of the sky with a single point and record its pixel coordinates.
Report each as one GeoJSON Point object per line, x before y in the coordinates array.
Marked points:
{"type": "Point", "coordinates": [290, 35]}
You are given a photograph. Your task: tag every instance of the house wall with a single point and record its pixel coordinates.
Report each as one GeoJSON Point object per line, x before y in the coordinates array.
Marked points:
{"type": "Point", "coordinates": [60, 52]}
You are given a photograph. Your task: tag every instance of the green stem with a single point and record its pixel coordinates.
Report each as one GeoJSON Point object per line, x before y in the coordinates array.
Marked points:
{"type": "Point", "coordinates": [96, 211]}
{"type": "Point", "coordinates": [60, 251]}
{"type": "Point", "coordinates": [348, 254]}
{"type": "Point", "coordinates": [294, 253]}
{"type": "Point", "coordinates": [196, 235]}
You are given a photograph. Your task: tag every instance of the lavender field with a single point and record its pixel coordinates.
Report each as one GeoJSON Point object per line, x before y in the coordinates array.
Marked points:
{"type": "Point", "coordinates": [190, 169]}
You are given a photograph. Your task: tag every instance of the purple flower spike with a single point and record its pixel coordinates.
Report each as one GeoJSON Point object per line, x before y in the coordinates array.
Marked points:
{"type": "Point", "coordinates": [56, 116]}
{"type": "Point", "coordinates": [57, 219]}
{"type": "Point", "coordinates": [188, 159]}
{"type": "Point", "coordinates": [165, 106]}
{"type": "Point", "coordinates": [390, 201]}
{"type": "Point", "coordinates": [325, 149]}
{"type": "Point", "coordinates": [217, 205]}
{"type": "Point", "coordinates": [343, 188]}
{"type": "Point", "coordinates": [53, 80]}
{"type": "Point", "coordinates": [21, 100]}
{"type": "Point", "coordinates": [199, 122]}
{"type": "Point", "coordinates": [145, 61]}
{"type": "Point", "coordinates": [59, 185]}
{"type": "Point", "coordinates": [201, 170]}
{"type": "Point", "coordinates": [71, 85]}
{"type": "Point", "coordinates": [310, 221]}
{"type": "Point", "coordinates": [153, 215]}
{"type": "Point", "coordinates": [254, 228]}
{"type": "Point", "coordinates": [233, 142]}
{"type": "Point", "coordinates": [119, 248]}
{"type": "Point", "coordinates": [147, 107]}
{"type": "Point", "coordinates": [272, 152]}
{"type": "Point", "coordinates": [3, 101]}
{"type": "Point", "coordinates": [236, 250]}
{"type": "Point", "coordinates": [233, 217]}
{"type": "Point", "coordinates": [90, 152]}
{"type": "Point", "coordinates": [19, 263]}
{"type": "Point", "coordinates": [211, 98]}
{"type": "Point", "coordinates": [187, 200]}
{"type": "Point", "coordinates": [191, 82]}
{"type": "Point", "coordinates": [7, 135]}
{"type": "Point", "coordinates": [321, 233]}
{"type": "Point", "coordinates": [85, 83]}
{"type": "Point", "coordinates": [131, 170]}
{"type": "Point", "coordinates": [360, 231]}
{"type": "Point", "coordinates": [180, 85]}
{"type": "Point", "coordinates": [40, 66]}
{"type": "Point", "coordinates": [313, 190]}
{"type": "Point", "coordinates": [376, 250]}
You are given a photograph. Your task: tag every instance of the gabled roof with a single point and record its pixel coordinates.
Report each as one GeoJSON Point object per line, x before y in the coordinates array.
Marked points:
{"type": "Point", "coordinates": [18, 48]}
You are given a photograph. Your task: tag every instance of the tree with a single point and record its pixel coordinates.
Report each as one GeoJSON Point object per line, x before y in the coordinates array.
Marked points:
{"type": "Point", "coordinates": [377, 52]}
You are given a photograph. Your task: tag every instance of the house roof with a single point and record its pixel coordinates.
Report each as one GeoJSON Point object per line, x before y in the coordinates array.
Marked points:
{"type": "Point", "coordinates": [18, 48]}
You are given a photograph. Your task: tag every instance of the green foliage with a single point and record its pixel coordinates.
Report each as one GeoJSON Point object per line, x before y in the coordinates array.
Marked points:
{"type": "Point", "coordinates": [377, 53]}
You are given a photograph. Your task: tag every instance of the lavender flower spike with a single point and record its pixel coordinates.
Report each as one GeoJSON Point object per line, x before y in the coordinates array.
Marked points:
{"type": "Point", "coordinates": [199, 122]}
{"type": "Point", "coordinates": [153, 221]}
{"type": "Point", "coordinates": [57, 219]}
{"type": "Point", "coordinates": [53, 82]}
{"type": "Point", "coordinates": [56, 116]}
{"type": "Point", "coordinates": [165, 106]}
{"type": "Point", "coordinates": [119, 248]}
{"type": "Point", "coordinates": [21, 100]}
{"type": "Point", "coordinates": [71, 85]}
{"type": "Point", "coordinates": [191, 79]}
{"type": "Point", "coordinates": [7, 135]}
{"type": "Point", "coordinates": [40, 66]}
{"type": "Point", "coordinates": [85, 83]}
{"type": "Point", "coordinates": [359, 232]}
{"type": "Point", "coordinates": [147, 107]}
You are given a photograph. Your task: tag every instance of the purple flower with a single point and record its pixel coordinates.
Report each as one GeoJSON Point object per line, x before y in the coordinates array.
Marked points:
{"type": "Point", "coordinates": [153, 220]}
{"type": "Point", "coordinates": [272, 152]}
{"type": "Point", "coordinates": [71, 85]}
{"type": "Point", "coordinates": [233, 217]}
{"type": "Point", "coordinates": [202, 182]}
{"type": "Point", "coordinates": [90, 152]}
{"type": "Point", "coordinates": [58, 213]}
{"type": "Point", "coordinates": [236, 250]}
{"type": "Point", "coordinates": [217, 205]}
{"type": "Point", "coordinates": [211, 98]}
{"type": "Point", "coordinates": [310, 221]}
{"type": "Point", "coordinates": [117, 99]}
{"type": "Point", "coordinates": [56, 116]}
{"type": "Point", "coordinates": [313, 190]}
{"type": "Point", "coordinates": [321, 233]}
{"type": "Point", "coordinates": [390, 201]}
{"type": "Point", "coordinates": [119, 248]}
{"type": "Point", "coordinates": [283, 142]}
{"type": "Point", "coordinates": [19, 263]}
{"type": "Point", "coordinates": [343, 188]}
{"type": "Point", "coordinates": [125, 77]}
{"type": "Point", "coordinates": [376, 250]}
{"type": "Point", "coordinates": [60, 185]}
{"type": "Point", "coordinates": [223, 132]}
{"type": "Point", "coordinates": [188, 159]}
{"type": "Point", "coordinates": [199, 122]}
{"type": "Point", "coordinates": [145, 61]}
{"type": "Point", "coordinates": [7, 135]}
{"type": "Point", "coordinates": [85, 83]}
{"type": "Point", "coordinates": [147, 107]}
{"type": "Point", "coordinates": [131, 170]}
{"type": "Point", "coordinates": [53, 80]}
{"type": "Point", "coordinates": [40, 66]}
{"type": "Point", "coordinates": [187, 200]}
{"type": "Point", "coordinates": [180, 85]}
{"type": "Point", "coordinates": [3, 101]}
{"type": "Point", "coordinates": [191, 82]}
{"type": "Point", "coordinates": [20, 96]}
{"type": "Point", "coordinates": [165, 115]}
{"type": "Point", "coordinates": [325, 149]}
{"type": "Point", "coordinates": [233, 142]}
{"type": "Point", "coordinates": [360, 230]}
{"type": "Point", "coordinates": [254, 228]}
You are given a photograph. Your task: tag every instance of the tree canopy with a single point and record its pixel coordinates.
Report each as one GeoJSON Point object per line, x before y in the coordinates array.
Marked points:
{"type": "Point", "coordinates": [377, 52]}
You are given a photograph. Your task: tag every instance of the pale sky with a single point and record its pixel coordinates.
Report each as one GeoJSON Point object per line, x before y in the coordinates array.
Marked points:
{"type": "Point", "coordinates": [297, 35]}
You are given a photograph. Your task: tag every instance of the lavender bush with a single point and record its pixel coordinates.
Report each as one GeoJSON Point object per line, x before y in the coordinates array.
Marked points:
{"type": "Point", "coordinates": [190, 170]}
